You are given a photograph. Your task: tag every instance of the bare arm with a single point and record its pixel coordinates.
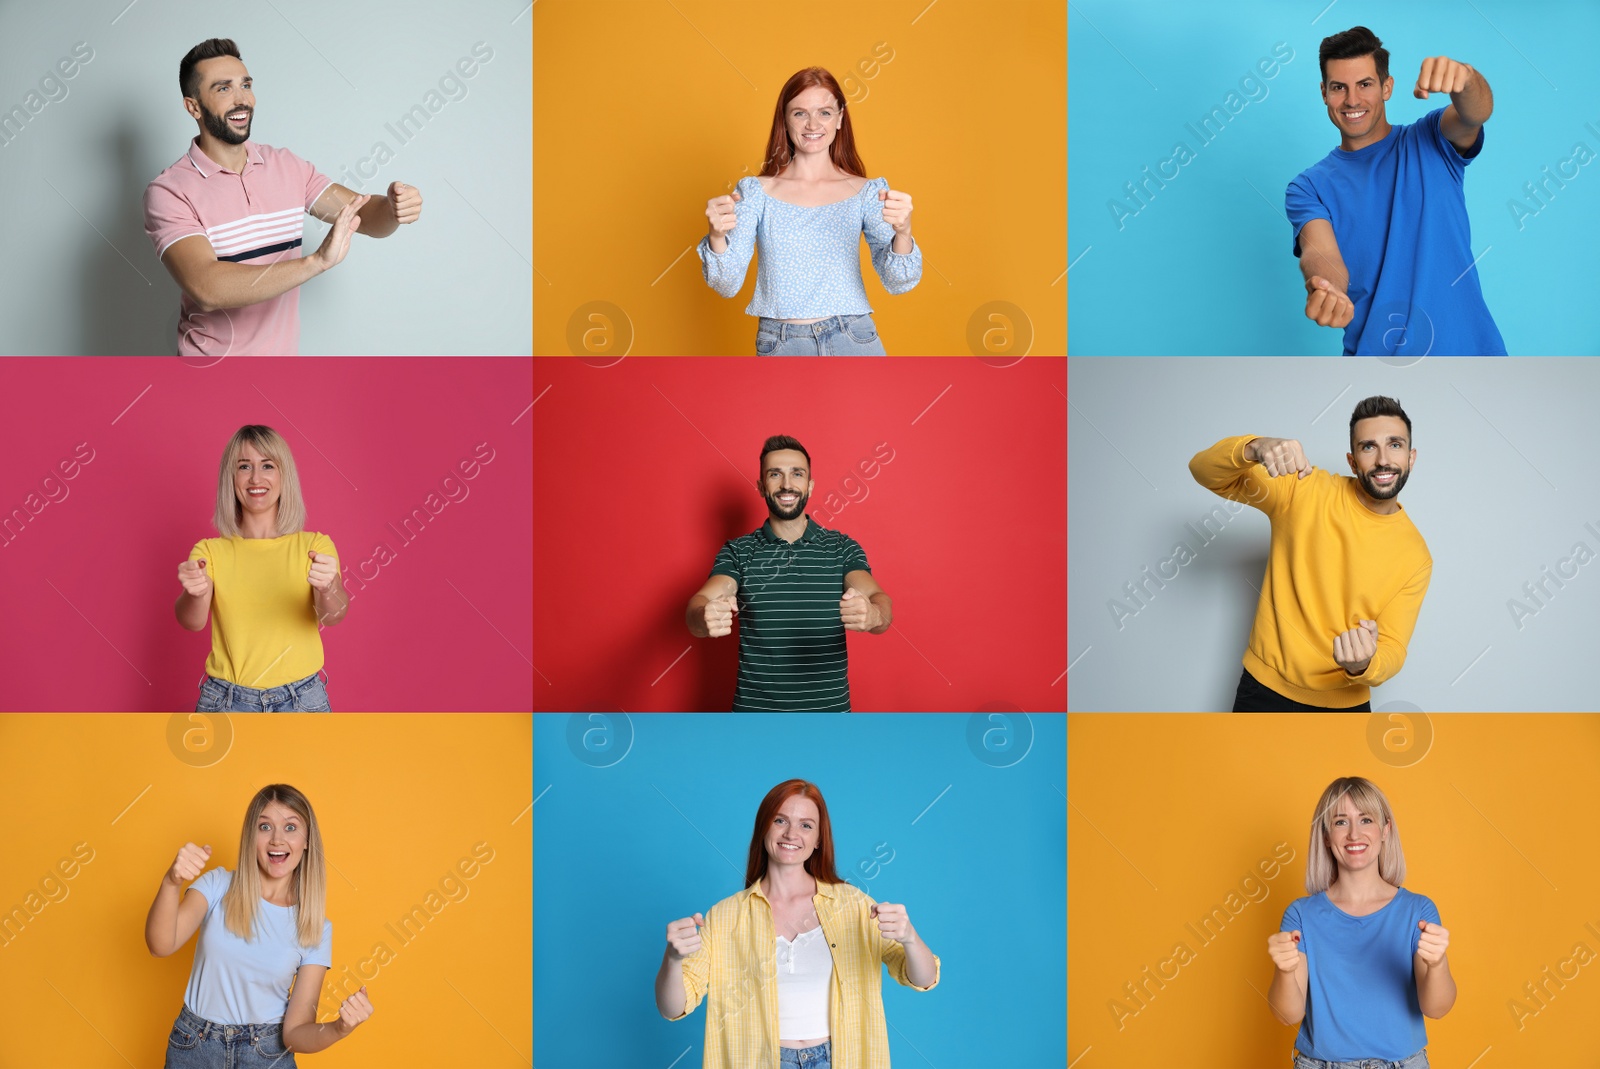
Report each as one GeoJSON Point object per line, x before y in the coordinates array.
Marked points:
{"type": "Point", "coordinates": [1436, 988]}
{"type": "Point", "coordinates": [301, 1032]}
{"type": "Point", "coordinates": [1319, 255]}
{"type": "Point", "coordinates": [669, 986]}
{"type": "Point", "coordinates": [214, 285]}
{"type": "Point", "coordinates": [173, 918]}
{"type": "Point", "coordinates": [718, 586]}
{"type": "Point", "coordinates": [377, 214]}
{"type": "Point", "coordinates": [1287, 995]}
{"type": "Point", "coordinates": [193, 613]}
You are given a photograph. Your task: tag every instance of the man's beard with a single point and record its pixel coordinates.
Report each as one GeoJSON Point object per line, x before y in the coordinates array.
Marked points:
{"type": "Point", "coordinates": [1384, 493]}
{"type": "Point", "coordinates": [790, 514]}
{"type": "Point", "coordinates": [220, 128]}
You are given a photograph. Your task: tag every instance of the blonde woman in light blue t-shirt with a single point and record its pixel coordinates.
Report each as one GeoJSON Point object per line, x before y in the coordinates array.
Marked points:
{"type": "Point", "coordinates": [264, 943]}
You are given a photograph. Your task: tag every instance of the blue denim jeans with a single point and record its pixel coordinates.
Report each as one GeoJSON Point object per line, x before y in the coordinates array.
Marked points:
{"type": "Point", "coordinates": [835, 336]}
{"type": "Point", "coordinates": [1418, 1060]}
{"type": "Point", "coordinates": [818, 1057]}
{"type": "Point", "coordinates": [196, 1043]}
{"type": "Point", "coordinates": [307, 695]}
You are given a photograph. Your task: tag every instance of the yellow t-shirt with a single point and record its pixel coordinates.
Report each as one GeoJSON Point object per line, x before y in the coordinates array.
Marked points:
{"type": "Point", "coordinates": [264, 629]}
{"type": "Point", "coordinates": [735, 970]}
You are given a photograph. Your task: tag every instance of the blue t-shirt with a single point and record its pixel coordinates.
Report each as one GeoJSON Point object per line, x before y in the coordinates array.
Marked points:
{"type": "Point", "coordinates": [1399, 214]}
{"type": "Point", "coordinates": [810, 263]}
{"type": "Point", "coordinates": [238, 982]}
{"type": "Point", "coordinates": [1361, 990]}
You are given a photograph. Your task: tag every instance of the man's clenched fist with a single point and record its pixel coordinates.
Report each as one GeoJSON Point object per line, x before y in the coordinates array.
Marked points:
{"type": "Point", "coordinates": [1353, 649]}
{"type": "Point", "coordinates": [1327, 305]}
{"type": "Point", "coordinates": [1280, 456]}
{"type": "Point", "coordinates": [720, 612]}
{"type": "Point", "coordinates": [855, 610]}
{"type": "Point", "coordinates": [1441, 74]}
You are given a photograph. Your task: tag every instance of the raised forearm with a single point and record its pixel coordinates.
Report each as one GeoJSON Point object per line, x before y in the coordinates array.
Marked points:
{"type": "Point", "coordinates": [161, 924]}
{"type": "Point", "coordinates": [902, 243]}
{"type": "Point", "coordinates": [669, 986]}
{"type": "Point", "coordinates": [1475, 103]}
{"type": "Point", "coordinates": [332, 603]}
{"type": "Point", "coordinates": [310, 1038]}
{"type": "Point", "coordinates": [882, 613]}
{"type": "Point", "coordinates": [1317, 258]}
{"type": "Point", "coordinates": [377, 217]}
{"type": "Point", "coordinates": [1436, 989]}
{"type": "Point", "coordinates": [1287, 1000]}
{"type": "Point", "coordinates": [920, 969]}
{"type": "Point", "coordinates": [192, 612]}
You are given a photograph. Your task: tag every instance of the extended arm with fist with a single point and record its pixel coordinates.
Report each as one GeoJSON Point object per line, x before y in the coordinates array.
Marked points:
{"type": "Point", "coordinates": [1280, 456]}
{"type": "Point", "coordinates": [1287, 996]}
{"type": "Point", "coordinates": [711, 611]}
{"type": "Point", "coordinates": [683, 939]}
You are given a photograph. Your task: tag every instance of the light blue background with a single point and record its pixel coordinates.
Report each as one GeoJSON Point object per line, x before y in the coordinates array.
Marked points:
{"type": "Point", "coordinates": [621, 851]}
{"type": "Point", "coordinates": [79, 276]}
{"type": "Point", "coordinates": [1206, 268]}
{"type": "Point", "coordinates": [1504, 487]}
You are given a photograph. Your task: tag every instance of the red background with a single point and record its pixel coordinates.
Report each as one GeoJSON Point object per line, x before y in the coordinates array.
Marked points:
{"type": "Point", "coordinates": [964, 527]}
{"type": "Point", "coordinates": [395, 428]}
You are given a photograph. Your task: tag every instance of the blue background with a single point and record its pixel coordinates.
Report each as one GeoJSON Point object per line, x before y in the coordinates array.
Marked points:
{"type": "Point", "coordinates": [621, 851]}
{"type": "Point", "coordinates": [1205, 268]}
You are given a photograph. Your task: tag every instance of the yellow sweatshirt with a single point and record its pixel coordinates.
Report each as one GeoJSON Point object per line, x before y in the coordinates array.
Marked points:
{"type": "Point", "coordinates": [1333, 561]}
{"type": "Point", "coordinates": [264, 629]}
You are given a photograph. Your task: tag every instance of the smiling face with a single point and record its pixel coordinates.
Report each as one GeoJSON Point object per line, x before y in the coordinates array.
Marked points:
{"type": "Point", "coordinates": [280, 841]}
{"type": "Point", "coordinates": [786, 483]}
{"type": "Point", "coordinates": [813, 119]}
{"type": "Point", "coordinates": [1356, 838]}
{"type": "Point", "coordinates": [794, 833]}
{"type": "Point", "coordinates": [225, 89]}
{"type": "Point", "coordinates": [1381, 456]}
{"type": "Point", "coordinates": [255, 482]}
{"type": "Point", "coordinates": [1354, 98]}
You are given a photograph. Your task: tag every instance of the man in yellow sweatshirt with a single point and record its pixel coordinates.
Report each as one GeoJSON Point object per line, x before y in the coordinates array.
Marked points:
{"type": "Point", "coordinates": [1347, 570]}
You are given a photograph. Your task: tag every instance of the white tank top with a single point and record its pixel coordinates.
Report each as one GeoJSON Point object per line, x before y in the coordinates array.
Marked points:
{"type": "Point", "coordinates": [805, 977]}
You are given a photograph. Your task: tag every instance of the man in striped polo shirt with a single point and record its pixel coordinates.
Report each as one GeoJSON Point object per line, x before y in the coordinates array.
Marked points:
{"type": "Point", "coordinates": [226, 219]}
{"type": "Point", "coordinates": [796, 587]}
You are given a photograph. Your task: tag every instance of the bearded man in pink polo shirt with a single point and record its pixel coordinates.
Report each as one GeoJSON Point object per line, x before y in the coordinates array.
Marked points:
{"type": "Point", "coordinates": [227, 218]}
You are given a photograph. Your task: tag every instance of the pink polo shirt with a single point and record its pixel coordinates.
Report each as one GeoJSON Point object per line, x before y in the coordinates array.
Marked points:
{"type": "Point", "coordinates": [254, 218]}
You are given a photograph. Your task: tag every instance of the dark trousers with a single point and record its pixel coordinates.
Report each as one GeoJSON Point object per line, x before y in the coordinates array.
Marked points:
{"type": "Point", "coordinates": [1252, 697]}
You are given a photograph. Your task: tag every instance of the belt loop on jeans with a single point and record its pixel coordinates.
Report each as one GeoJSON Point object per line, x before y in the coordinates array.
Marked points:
{"type": "Point", "coordinates": [782, 332]}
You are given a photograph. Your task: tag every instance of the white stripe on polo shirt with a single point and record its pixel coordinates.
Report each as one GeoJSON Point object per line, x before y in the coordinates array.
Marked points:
{"type": "Point", "coordinates": [256, 231]}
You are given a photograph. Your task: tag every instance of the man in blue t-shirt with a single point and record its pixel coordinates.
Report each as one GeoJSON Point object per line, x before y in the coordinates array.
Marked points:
{"type": "Point", "coordinates": [1380, 223]}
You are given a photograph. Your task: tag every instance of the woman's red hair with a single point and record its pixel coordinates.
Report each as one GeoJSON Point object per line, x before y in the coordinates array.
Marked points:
{"type": "Point", "coordinates": [780, 150]}
{"type": "Point", "coordinates": [820, 863]}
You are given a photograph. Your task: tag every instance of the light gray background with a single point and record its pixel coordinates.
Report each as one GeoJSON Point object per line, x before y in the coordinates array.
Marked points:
{"type": "Point", "coordinates": [1505, 480]}
{"type": "Point", "coordinates": [78, 275]}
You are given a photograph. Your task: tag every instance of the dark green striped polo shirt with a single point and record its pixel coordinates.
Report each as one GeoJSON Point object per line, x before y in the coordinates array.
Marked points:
{"type": "Point", "coordinates": [791, 641]}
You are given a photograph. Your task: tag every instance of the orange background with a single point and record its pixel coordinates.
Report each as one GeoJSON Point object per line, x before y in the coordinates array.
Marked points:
{"type": "Point", "coordinates": [400, 800]}
{"type": "Point", "coordinates": [645, 109]}
{"type": "Point", "coordinates": [1169, 813]}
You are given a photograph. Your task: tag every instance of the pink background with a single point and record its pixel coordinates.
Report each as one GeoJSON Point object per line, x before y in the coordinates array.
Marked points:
{"type": "Point", "coordinates": [372, 438]}
{"type": "Point", "coordinates": [646, 467]}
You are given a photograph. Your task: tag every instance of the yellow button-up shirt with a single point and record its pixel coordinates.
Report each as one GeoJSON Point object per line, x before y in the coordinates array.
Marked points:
{"type": "Point", "coordinates": [736, 968]}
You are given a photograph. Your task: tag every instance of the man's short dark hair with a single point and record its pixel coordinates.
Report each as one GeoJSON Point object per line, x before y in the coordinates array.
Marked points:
{"type": "Point", "coordinates": [188, 77]}
{"type": "Point", "coordinates": [1353, 43]}
{"type": "Point", "coordinates": [1378, 406]}
{"type": "Point", "coordinates": [783, 441]}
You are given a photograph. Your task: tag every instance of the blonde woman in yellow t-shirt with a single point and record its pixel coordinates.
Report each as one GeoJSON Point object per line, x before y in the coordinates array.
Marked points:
{"type": "Point", "coordinates": [266, 585]}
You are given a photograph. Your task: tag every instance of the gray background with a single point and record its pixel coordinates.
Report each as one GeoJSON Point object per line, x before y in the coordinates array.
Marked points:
{"type": "Point", "coordinates": [1505, 480]}
{"type": "Point", "coordinates": [79, 276]}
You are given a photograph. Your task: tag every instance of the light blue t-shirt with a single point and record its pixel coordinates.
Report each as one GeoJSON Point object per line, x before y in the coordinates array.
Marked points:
{"type": "Point", "coordinates": [1399, 213]}
{"type": "Point", "coordinates": [810, 263]}
{"type": "Point", "coordinates": [239, 982]}
{"type": "Point", "coordinates": [1361, 987]}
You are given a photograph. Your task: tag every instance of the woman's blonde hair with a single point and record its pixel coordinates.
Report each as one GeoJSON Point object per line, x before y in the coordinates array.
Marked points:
{"type": "Point", "coordinates": [1322, 868]}
{"type": "Point", "coordinates": [310, 882]}
{"type": "Point", "coordinates": [270, 444]}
